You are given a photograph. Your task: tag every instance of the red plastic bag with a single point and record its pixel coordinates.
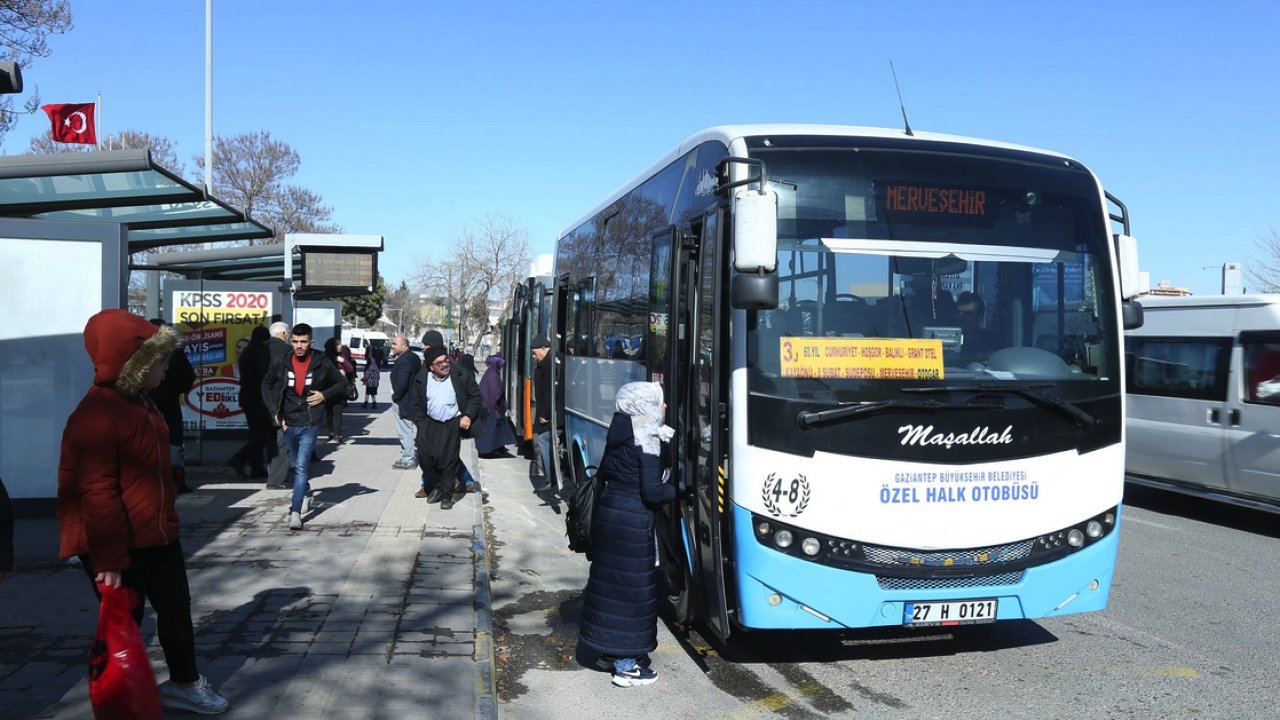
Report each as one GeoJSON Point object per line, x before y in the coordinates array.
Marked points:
{"type": "Point", "coordinates": [122, 685]}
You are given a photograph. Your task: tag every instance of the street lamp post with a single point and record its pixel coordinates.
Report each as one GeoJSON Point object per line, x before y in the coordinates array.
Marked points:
{"type": "Point", "coordinates": [399, 318]}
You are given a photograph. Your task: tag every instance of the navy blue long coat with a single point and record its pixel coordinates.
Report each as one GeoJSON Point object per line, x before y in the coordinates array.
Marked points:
{"type": "Point", "coordinates": [620, 606]}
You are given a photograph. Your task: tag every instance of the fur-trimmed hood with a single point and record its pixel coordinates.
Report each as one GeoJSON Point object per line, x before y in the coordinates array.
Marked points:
{"type": "Point", "coordinates": [123, 348]}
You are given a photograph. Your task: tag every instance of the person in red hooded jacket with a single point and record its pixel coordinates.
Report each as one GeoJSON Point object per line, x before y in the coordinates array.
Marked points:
{"type": "Point", "coordinates": [116, 495]}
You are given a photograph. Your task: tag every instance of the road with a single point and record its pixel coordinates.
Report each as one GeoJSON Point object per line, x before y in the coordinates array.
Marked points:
{"type": "Point", "coordinates": [1190, 633]}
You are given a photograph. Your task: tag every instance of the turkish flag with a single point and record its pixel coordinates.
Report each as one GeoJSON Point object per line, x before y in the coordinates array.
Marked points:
{"type": "Point", "coordinates": [73, 122]}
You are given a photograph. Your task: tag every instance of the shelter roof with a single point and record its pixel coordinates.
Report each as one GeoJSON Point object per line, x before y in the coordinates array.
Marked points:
{"type": "Point", "coordinates": [158, 208]}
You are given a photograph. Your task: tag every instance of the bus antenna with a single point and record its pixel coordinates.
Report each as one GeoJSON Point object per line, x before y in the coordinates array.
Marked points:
{"type": "Point", "coordinates": [901, 104]}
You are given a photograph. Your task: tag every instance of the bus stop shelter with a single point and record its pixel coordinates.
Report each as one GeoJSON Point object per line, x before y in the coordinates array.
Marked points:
{"type": "Point", "coordinates": [68, 225]}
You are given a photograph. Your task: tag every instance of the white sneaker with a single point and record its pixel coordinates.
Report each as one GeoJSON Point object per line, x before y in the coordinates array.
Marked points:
{"type": "Point", "coordinates": [635, 677]}
{"type": "Point", "coordinates": [295, 521]}
{"type": "Point", "coordinates": [308, 502]}
{"type": "Point", "coordinates": [198, 698]}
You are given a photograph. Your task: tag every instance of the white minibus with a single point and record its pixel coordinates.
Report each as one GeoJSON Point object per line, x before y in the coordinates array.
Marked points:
{"type": "Point", "coordinates": [361, 341]}
{"type": "Point", "coordinates": [1204, 397]}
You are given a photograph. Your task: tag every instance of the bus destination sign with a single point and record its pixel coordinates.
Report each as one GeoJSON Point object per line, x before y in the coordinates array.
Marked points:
{"type": "Point", "coordinates": [338, 269]}
{"type": "Point", "coordinates": [935, 200]}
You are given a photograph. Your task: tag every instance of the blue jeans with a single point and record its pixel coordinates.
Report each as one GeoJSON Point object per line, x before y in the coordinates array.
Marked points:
{"type": "Point", "coordinates": [300, 441]}
{"type": "Point", "coordinates": [544, 451]}
{"type": "Point", "coordinates": [621, 665]}
{"type": "Point", "coordinates": [407, 432]}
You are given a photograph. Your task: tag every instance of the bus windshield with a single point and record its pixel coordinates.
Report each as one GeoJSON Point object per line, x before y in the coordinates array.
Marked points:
{"type": "Point", "coordinates": [905, 269]}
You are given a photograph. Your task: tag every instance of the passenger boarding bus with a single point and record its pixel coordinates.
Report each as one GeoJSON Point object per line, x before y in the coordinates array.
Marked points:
{"type": "Point", "coordinates": [525, 317]}
{"type": "Point", "coordinates": [1204, 398]}
{"type": "Point", "coordinates": [893, 362]}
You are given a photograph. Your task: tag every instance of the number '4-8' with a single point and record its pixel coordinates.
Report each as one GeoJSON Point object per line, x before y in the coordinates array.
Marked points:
{"type": "Point", "coordinates": [791, 496]}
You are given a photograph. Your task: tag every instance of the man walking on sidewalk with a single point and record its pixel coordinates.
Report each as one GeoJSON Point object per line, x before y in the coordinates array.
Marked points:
{"type": "Point", "coordinates": [253, 365]}
{"type": "Point", "coordinates": [403, 371]}
{"type": "Point", "coordinates": [445, 404]}
{"type": "Point", "coordinates": [433, 339]}
{"type": "Point", "coordinates": [278, 456]}
{"type": "Point", "coordinates": [295, 391]}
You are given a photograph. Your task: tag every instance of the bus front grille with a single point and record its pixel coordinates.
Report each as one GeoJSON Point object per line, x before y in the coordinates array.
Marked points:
{"type": "Point", "coordinates": [906, 583]}
{"type": "Point", "coordinates": [948, 558]}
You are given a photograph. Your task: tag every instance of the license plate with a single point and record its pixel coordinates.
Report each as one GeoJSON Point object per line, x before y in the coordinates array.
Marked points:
{"type": "Point", "coordinates": [952, 612]}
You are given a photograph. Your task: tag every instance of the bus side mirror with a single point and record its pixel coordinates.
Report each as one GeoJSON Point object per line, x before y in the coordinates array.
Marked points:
{"type": "Point", "coordinates": [1131, 314]}
{"type": "Point", "coordinates": [1127, 253]}
{"type": "Point", "coordinates": [755, 250]}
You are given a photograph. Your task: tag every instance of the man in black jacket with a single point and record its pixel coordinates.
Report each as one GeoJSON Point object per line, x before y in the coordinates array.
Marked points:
{"type": "Point", "coordinates": [402, 373]}
{"type": "Point", "coordinates": [433, 339]}
{"type": "Point", "coordinates": [253, 364]}
{"type": "Point", "coordinates": [295, 390]}
{"type": "Point", "coordinates": [278, 455]}
{"type": "Point", "coordinates": [541, 348]}
{"type": "Point", "coordinates": [444, 403]}
{"type": "Point", "coordinates": [178, 380]}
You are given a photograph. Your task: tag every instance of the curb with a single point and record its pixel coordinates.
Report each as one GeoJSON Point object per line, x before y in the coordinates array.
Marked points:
{"type": "Point", "coordinates": [486, 684]}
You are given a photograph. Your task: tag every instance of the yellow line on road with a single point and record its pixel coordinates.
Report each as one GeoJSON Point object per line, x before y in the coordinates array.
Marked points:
{"type": "Point", "coordinates": [1182, 672]}
{"type": "Point", "coordinates": [772, 703]}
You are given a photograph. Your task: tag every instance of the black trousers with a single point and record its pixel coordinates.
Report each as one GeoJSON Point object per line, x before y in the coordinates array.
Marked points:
{"type": "Point", "coordinates": [333, 410]}
{"type": "Point", "coordinates": [278, 465]}
{"type": "Point", "coordinates": [439, 453]}
{"type": "Point", "coordinates": [261, 437]}
{"type": "Point", "coordinates": [159, 574]}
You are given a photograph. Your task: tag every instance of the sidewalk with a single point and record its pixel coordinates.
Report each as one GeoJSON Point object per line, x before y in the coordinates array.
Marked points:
{"type": "Point", "coordinates": [378, 608]}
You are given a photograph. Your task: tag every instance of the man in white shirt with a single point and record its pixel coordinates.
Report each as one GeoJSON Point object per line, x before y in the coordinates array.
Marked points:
{"type": "Point", "coordinates": [445, 404]}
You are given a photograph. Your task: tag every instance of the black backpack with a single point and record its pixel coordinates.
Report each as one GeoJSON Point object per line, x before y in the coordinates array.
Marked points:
{"type": "Point", "coordinates": [581, 501]}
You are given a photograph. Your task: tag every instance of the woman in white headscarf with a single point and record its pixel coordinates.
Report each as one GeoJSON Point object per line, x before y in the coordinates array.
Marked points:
{"type": "Point", "coordinates": [620, 605]}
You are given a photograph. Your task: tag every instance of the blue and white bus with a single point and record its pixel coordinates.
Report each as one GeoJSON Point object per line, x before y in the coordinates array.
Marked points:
{"type": "Point", "coordinates": [893, 362]}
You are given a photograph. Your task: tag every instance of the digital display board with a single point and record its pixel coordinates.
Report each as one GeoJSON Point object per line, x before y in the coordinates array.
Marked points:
{"type": "Point", "coordinates": [343, 270]}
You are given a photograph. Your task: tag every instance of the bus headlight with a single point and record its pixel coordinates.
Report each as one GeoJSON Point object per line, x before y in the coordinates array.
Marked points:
{"type": "Point", "coordinates": [1075, 538]}
{"type": "Point", "coordinates": [763, 528]}
{"type": "Point", "coordinates": [1093, 529]}
{"type": "Point", "coordinates": [810, 546]}
{"type": "Point", "coordinates": [783, 539]}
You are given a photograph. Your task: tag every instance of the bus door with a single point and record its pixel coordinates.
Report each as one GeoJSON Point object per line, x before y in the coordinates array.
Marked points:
{"type": "Point", "coordinates": [682, 333]}
{"type": "Point", "coordinates": [706, 420]}
{"type": "Point", "coordinates": [671, 278]}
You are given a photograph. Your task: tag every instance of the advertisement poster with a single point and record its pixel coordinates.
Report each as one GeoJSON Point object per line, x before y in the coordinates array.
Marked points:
{"type": "Point", "coordinates": [216, 325]}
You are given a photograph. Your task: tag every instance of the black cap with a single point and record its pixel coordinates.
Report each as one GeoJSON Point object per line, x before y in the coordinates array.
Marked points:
{"type": "Point", "coordinates": [432, 354]}
{"type": "Point", "coordinates": [540, 341]}
{"type": "Point", "coordinates": [432, 338]}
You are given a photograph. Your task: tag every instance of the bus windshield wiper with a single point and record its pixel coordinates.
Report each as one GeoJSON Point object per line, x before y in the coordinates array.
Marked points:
{"type": "Point", "coordinates": [808, 419]}
{"type": "Point", "coordinates": [1030, 392]}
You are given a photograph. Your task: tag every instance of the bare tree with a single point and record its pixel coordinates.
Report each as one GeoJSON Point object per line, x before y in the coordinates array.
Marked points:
{"type": "Point", "coordinates": [162, 148]}
{"type": "Point", "coordinates": [485, 263]}
{"type": "Point", "coordinates": [1265, 273]}
{"type": "Point", "coordinates": [249, 172]}
{"type": "Point", "coordinates": [404, 307]}
{"type": "Point", "coordinates": [24, 27]}
{"type": "Point", "coordinates": [162, 153]}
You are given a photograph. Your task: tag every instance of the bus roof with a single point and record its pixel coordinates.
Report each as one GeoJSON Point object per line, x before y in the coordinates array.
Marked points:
{"type": "Point", "coordinates": [1206, 301]}
{"type": "Point", "coordinates": [726, 134]}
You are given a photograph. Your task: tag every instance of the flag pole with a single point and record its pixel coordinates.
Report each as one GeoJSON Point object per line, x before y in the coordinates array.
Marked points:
{"type": "Point", "coordinates": [97, 121]}
{"type": "Point", "coordinates": [208, 98]}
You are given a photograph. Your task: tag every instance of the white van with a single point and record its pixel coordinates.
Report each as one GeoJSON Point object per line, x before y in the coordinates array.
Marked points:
{"type": "Point", "coordinates": [1204, 397]}
{"type": "Point", "coordinates": [361, 341]}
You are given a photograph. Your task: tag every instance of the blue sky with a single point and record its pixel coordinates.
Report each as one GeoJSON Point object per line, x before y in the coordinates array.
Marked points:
{"type": "Point", "coordinates": [414, 119]}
